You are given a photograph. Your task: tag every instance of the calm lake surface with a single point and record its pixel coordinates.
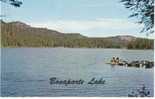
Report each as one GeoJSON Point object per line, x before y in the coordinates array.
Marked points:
{"type": "Point", "coordinates": [26, 71]}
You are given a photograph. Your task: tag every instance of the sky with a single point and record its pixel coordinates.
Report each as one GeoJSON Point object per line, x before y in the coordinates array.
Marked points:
{"type": "Point", "coordinates": [93, 18]}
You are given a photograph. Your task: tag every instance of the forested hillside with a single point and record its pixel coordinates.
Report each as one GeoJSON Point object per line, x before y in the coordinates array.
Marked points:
{"type": "Point", "coordinates": [18, 34]}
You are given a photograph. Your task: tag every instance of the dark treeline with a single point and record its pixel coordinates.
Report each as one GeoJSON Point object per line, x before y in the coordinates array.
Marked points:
{"type": "Point", "coordinates": [141, 44]}
{"type": "Point", "coordinates": [17, 34]}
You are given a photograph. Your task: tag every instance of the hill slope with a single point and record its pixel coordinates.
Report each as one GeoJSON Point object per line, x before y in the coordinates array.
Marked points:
{"type": "Point", "coordinates": [18, 34]}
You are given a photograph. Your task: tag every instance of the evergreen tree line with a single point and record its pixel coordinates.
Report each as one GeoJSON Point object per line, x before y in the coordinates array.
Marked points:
{"type": "Point", "coordinates": [25, 36]}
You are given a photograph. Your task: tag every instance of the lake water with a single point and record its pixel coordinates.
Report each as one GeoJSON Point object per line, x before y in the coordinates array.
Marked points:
{"type": "Point", "coordinates": [26, 71]}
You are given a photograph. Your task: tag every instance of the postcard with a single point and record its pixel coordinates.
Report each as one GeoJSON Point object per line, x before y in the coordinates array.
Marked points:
{"type": "Point", "coordinates": [77, 48]}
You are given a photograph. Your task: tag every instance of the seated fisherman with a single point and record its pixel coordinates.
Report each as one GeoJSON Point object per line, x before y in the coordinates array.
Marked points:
{"type": "Point", "coordinates": [117, 60]}
{"type": "Point", "coordinates": [113, 61]}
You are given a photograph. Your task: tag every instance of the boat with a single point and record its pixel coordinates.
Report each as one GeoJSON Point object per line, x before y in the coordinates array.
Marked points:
{"type": "Point", "coordinates": [138, 64]}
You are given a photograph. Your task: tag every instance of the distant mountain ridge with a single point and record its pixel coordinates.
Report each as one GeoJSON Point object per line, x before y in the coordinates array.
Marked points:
{"type": "Point", "coordinates": [126, 37]}
{"type": "Point", "coordinates": [21, 34]}
{"type": "Point", "coordinates": [54, 32]}
{"type": "Point", "coordinates": [28, 28]}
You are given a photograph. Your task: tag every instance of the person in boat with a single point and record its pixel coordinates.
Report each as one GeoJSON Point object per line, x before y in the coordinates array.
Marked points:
{"type": "Point", "coordinates": [117, 60]}
{"type": "Point", "coordinates": [113, 61]}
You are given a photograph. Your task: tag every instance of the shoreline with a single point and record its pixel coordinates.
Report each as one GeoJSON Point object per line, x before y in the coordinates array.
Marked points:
{"type": "Point", "coordinates": [73, 48]}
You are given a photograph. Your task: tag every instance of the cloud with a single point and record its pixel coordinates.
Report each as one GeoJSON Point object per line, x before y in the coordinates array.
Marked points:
{"type": "Point", "coordinates": [88, 27]}
{"type": "Point", "coordinates": [72, 25]}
